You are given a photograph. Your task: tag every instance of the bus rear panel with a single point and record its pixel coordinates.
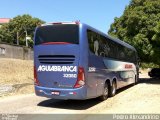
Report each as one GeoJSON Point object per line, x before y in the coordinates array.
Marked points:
{"type": "Point", "coordinates": [58, 72]}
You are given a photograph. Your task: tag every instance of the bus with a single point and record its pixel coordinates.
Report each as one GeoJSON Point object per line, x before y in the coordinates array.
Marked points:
{"type": "Point", "coordinates": [73, 60]}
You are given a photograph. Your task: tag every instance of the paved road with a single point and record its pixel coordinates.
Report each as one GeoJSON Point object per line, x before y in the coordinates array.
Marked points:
{"type": "Point", "coordinates": [33, 104]}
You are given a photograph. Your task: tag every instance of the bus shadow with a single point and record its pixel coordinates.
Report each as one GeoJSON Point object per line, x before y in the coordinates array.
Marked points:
{"type": "Point", "coordinates": [76, 104]}
{"type": "Point", "coordinates": [149, 80]}
{"type": "Point", "coordinates": [70, 104]}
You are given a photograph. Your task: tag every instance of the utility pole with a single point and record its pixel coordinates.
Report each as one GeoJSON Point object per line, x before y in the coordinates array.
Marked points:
{"type": "Point", "coordinates": [17, 38]}
{"type": "Point", "coordinates": [26, 38]}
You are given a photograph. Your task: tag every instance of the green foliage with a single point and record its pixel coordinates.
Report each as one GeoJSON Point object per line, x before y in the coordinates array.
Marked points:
{"type": "Point", "coordinates": [5, 35]}
{"type": "Point", "coordinates": [19, 24]}
{"type": "Point", "coordinates": [148, 65]}
{"type": "Point", "coordinates": [140, 26]}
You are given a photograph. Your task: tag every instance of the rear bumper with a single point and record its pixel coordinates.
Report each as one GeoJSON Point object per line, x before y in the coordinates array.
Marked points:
{"type": "Point", "coordinates": [77, 93]}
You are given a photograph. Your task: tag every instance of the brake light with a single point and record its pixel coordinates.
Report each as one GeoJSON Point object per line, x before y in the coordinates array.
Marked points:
{"type": "Point", "coordinates": [35, 77]}
{"type": "Point", "coordinates": [81, 78]}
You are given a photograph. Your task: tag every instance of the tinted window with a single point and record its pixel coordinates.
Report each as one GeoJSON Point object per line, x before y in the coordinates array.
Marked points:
{"type": "Point", "coordinates": [57, 33]}
{"type": "Point", "coordinates": [126, 54]}
{"type": "Point", "coordinates": [121, 52]}
{"type": "Point", "coordinates": [102, 46]}
{"type": "Point", "coordinates": [98, 44]}
{"type": "Point", "coordinates": [113, 53]}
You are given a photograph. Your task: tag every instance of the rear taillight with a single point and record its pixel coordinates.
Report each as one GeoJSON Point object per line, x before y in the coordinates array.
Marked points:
{"type": "Point", "coordinates": [35, 77]}
{"type": "Point", "coordinates": [81, 78]}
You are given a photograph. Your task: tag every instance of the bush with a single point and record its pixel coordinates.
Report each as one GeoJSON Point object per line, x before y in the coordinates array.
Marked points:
{"type": "Point", "coordinates": [149, 65]}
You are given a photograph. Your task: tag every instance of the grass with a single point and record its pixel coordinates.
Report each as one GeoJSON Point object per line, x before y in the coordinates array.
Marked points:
{"type": "Point", "coordinates": [14, 72]}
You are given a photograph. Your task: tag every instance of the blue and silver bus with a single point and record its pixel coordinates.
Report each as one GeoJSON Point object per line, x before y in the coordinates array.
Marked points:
{"type": "Point", "coordinates": [72, 60]}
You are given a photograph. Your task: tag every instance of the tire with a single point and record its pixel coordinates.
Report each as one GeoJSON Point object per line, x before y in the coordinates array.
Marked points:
{"type": "Point", "coordinates": [113, 89]}
{"type": "Point", "coordinates": [105, 92]}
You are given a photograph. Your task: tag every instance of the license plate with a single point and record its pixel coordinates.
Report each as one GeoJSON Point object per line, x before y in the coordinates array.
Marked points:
{"type": "Point", "coordinates": [55, 92]}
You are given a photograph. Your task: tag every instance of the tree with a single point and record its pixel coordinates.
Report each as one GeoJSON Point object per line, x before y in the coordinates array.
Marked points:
{"type": "Point", "coordinates": [140, 26]}
{"type": "Point", "coordinates": [5, 35]}
{"type": "Point", "coordinates": [17, 28]}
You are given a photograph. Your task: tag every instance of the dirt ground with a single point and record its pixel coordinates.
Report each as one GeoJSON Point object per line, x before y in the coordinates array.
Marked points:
{"type": "Point", "coordinates": [141, 98]}
{"type": "Point", "coordinates": [16, 75]}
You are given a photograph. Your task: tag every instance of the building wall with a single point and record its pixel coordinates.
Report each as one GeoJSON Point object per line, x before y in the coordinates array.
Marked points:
{"type": "Point", "coordinates": [17, 52]}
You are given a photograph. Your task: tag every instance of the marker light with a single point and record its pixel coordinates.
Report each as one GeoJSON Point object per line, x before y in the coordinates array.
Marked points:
{"type": "Point", "coordinates": [36, 82]}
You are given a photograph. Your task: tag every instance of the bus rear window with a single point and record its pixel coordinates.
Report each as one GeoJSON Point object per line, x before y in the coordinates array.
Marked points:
{"type": "Point", "coordinates": [57, 33]}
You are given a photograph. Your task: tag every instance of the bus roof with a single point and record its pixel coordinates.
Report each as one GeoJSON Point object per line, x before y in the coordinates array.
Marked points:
{"type": "Point", "coordinates": [66, 22]}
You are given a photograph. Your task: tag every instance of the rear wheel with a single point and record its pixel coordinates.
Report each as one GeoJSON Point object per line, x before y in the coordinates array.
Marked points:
{"type": "Point", "coordinates": [105, 92]}
{"type": "Point", "coordinates": [113, 88]}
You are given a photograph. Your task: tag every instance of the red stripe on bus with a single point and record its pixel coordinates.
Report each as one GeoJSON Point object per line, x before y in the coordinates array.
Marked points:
{"type": "Point", "coordinates": [51, 43]}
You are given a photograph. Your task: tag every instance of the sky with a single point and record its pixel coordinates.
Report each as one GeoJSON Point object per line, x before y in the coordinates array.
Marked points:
{"type": "Point", "coordinates": [96, 13]}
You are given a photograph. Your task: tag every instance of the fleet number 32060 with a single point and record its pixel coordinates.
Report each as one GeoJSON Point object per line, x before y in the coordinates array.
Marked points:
{"type": "Point", "coordinates": [70, 75]}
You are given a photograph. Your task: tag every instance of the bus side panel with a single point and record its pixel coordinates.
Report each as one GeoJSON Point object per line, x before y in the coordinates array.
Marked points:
{"type": "Point", "coordinates": [125, 71]}
{"type": "Point", "coordinates": [96, 75]}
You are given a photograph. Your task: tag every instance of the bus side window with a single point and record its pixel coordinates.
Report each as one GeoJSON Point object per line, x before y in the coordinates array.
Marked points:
{"type": "Point", "coordinates": [113, 49]}
{"type": "Point", "coordinates": [104, 47]}
{"type": "Point", "coordinates": [93, 39]}
{"type": "Point", "coordinates": [90, 40]}
{"type": "Point", "coordinates": [121, 52]}
{"type": "Point", "coordinates": [96, 45]}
